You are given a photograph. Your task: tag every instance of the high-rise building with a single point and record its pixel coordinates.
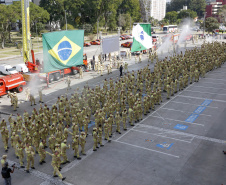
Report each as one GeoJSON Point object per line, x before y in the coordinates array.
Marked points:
{"type": "Point", "coordinates": [213, 7]}
{"type": "Point", "coordinates": [153, 8]}
{"type": "Point", "coordinates": [8, 2]}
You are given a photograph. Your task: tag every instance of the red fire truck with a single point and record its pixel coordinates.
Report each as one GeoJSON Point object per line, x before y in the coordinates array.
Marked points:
{"type": "Point", "coordinates": [13, 82]}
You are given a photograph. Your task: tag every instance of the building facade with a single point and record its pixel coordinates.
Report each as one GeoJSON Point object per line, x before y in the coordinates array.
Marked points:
{"type": "Point", "coordinates": [153, 8]}
{"type": "Point", "coordinates": [8, 2]}
{"type": "Point", "coordinates": [213, 7]}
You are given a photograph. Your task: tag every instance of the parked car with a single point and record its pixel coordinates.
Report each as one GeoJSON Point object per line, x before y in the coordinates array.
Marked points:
{"type": "Point", "coordinates": [126, 36]}
{"type": "Point", "coordinates": [155, 38]}
{"type": "Point", "coordinates": [7, 69]}
{"type": "Point", "coordinates": [122, 54]}
{"type": "Point", "coordinates": [21, 68]}
{"type": "Point", "coordinates": [136, 53]}
{"type": "Point", "coordinates": [94, 42]}
{"type": "Point", "coordinates": [86, 44]}
{"type": "Point", "coordinates": [122, 37]}
{"type": "Point", "coordinates": [127, 44]}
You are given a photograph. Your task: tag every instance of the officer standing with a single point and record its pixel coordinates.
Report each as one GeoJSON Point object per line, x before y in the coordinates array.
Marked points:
{"type": "Point", "coordinates": [64, 147]}
{"type": "Point", "coordinates": [32, 99]}
{"type": "Point", "coordinates": [68, 81]}
{"type": "Point", "coordinates": [40, 95]}
{"type": "Point", "coordinates": [83, 142]}
{"type": "Point", "coordinates": [15, 101]}
{"type": "Point", "coordinates": [121, 69]}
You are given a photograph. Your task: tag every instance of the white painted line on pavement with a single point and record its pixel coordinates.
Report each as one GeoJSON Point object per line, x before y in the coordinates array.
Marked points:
{"type": "Point", "coordinates": [218, 79]}
{"type": "Point", "coordinates": [212, 83]}
{"type": "Point", "coordinates": [193, 104]}
{"type": "Point", "coordinates": [161, 135]}
{"type": "Point", "coordinates": [205, 92]}
{"type": "Point", "coordinates": [210, 87]}
{"type": "Point", "coordinates": [179, 121]}
{"type": "Point", "coordinates": [202, 98]}
{"type": "Point", "coordinates": [186, 134]}
{"type": "Point", "coordinates": [147, 149]}
{"type": "Point", "coordinates": [185, 111]}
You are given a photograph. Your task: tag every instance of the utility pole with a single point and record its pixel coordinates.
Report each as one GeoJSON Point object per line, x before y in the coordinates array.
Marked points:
{"type": "Point", "coordinates": [98, 28]}
{"type": "Point", "coordinates": [204, 24]}
{"type": "Point", "coordinates": [65, 19]}
{"type": "Point", "coordinates": [130, 25]}
{"type": "Point", "coordinates": [119, 42]}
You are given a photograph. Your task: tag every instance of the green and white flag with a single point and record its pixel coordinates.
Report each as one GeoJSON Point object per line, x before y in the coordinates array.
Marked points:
{"type": "Point", "coordinates": [62, 49]}
{"type": "Point", "coordinates": [142, 38]}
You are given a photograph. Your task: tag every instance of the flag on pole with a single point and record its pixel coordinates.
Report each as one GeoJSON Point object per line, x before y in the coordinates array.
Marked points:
{"type": "Point", "coordinates": [142, 38]}
{"type": "Point", "coordinates": [62, 49]}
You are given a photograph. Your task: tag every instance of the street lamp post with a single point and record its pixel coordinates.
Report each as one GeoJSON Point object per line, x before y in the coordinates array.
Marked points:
{"type": "Point", "coordinates": [189, 14]}
{"type": "Point", "coordinates": [65, 19]}
{"type": "Point", "coordinates": [97, 28]}
{"type": "Point", "coordinates": [204, 24]}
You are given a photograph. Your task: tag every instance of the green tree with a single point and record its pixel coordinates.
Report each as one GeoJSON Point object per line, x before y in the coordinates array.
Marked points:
{"type": "Point", "coordinates": [3, 24]}
{"type": "Point", "coordinates": [199, 6]}
{"type": "Point", "coordinates": [177, 5]}
{"type": "Point", "coordinates": [211, 24]}
{"type": "Point", "coordinates": [222, 14]}
{"type": "Point", "coordinates": [8, 14]}
{"type": "Point", "coordinates": [13, 14]}
{"type": "Point", "coordinates": [164, 22]}
{"type": "Point", "coordinates": [171, 16]}
{"type": "Point", "coordinates": [131, 7]}
{"type": "Point", "coordinates": [57, 9]}
{"type": "Point", "coordinates": [123, 21]}
{"type": "Point", "coordinates": [187, 13]}
{"type": "Point", "coordinates": [154, 22]}
{"type": "Point", "coordinates": [37, 14]}
{"type": "Point", "coordinates": [112, 23]}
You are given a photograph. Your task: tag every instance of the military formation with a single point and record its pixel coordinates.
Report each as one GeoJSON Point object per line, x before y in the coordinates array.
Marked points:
{"type": "Point", "coordinates": [121, 102]}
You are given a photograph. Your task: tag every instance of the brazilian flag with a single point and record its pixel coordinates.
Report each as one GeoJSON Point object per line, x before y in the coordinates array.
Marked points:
{"type": "Point", "coordinates": [62, 49]}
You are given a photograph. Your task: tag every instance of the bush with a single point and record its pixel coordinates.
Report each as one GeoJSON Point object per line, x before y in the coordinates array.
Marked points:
{"type": "Point", "coordinates": [43, 31]}
{"type": "Point", "coordinates": [69, 27]}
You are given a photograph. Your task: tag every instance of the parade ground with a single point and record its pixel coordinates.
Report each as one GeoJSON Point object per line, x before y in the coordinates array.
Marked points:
{"type": "Point", "coordinates": [180, 143]}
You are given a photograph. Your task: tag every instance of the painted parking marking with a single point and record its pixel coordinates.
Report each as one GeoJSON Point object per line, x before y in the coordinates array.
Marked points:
{"type": "Point", "coordinates": [209, 87]}
{"type": "Point", "coordinates": [192, 104]}
{"type": "Point", "coordinates": [199, 110]}
{"type": "Point", "coordinates": [207, 102]}
{"type": "Point", "coordinates": [200, 98]}
{"type": "Point", "coordinates": [136, 146]}
{"type": "Point", "coordinates": [192, 118]}
{"type": "Point", "coordinates": [165, 145]}
{"type": "Point", "coordinates": [181, 127]}
{"type": "Point", "coordinates": [186, 112]}
{"type": "Point", "coordinates": [160, 135]}
{"type": "Point", "coordinates": [179, 121]}
{"type": "Point", "coordinates": [205, 92]}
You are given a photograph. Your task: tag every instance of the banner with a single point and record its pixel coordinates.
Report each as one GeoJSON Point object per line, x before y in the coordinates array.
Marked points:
{"type": "Point", "coordinates": [142, 38]}
{"type": "Point", "coordinates": [62, 49]}
{"type": "Point", "coordinates": [110, 44]}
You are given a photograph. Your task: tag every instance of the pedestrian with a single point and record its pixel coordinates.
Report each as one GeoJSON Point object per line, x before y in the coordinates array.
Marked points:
{"type": "Point", "coordinates": [105, 57]}
{"type": "Point", "coordinates": [6, 173]}
{"type": "Point", "coordinates": [121, 69]}
{"type": "Point", "coordinates": [92, 64]}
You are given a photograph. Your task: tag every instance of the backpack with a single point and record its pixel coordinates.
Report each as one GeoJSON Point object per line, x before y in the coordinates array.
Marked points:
{"type": "Point", "coordinates": [4, 172]}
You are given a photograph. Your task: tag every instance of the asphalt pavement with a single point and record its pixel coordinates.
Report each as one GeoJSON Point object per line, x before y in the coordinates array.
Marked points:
{"type": "Point", "coordinates": [181, 142]}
